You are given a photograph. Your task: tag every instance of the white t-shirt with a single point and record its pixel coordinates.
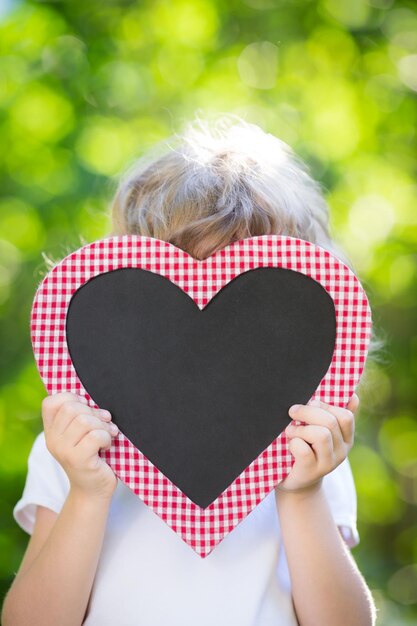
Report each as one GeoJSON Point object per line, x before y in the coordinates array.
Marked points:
{"type": "Point", "coordinates": [148, 576]}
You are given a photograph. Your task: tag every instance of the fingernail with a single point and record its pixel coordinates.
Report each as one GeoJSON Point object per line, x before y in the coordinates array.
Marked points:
{"type": "Point", "coordinates": [294, 408]}
{"type": "Point", "coordinates": [105, 413]}
{"type": "Point", "coordinates": [83, 400]}
{"type": "Point", "coordinates": [314, 402]}
{"type": "Point", "coordinates": [113, 429]}
{"type": "Point", "coordinates": [290, 428]}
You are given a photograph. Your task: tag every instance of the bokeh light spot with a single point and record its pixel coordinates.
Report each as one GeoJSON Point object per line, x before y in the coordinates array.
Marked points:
{"type": "Point", "coordinates": [20, 225]}
{"type": "Point", "coordinates": [257, 65]}
{"type": "Point", "coordinates": [378, 497]}
{"type": "Point", "coordinates": [407, 70]}
{"type": "Point", "coordinates": [42, 112]}
{"type": "Point", "coordinates": [402, 586]}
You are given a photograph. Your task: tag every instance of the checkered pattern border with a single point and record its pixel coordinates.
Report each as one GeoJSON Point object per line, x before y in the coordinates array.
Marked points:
{"type": "Point", "coordinates": [202, 529]}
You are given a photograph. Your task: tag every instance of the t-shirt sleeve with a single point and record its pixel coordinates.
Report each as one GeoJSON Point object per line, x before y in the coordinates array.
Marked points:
{"type": "Point", "coordinates": [46, 485]}
{"type": "Point", "coordinates": [340, 491]}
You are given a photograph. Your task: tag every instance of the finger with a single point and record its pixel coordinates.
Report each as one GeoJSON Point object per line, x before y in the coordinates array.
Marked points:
{"type": "Point", "coordinates": [353, 403]}
{"type": "Point", "coordinates": [84, 423]}
{"type": "Point", "coordinates": [321, 441]}
{"type": "Point", "coordinates": [346, 420]}
{"type": "Point", "coordinates": [69, 411]}
{"type": "Point", "coordinates": [302, 452]}
{"type": "Point", "coordinates": [317, 415]}
{"type": "Point", "coordinates": [92, 442]}
{"type": "Point", "coordinates": [52, 403]}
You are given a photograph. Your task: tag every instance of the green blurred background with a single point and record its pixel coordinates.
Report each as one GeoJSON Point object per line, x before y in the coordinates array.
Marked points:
{"type": "Point", "coordinates": [85, 87]}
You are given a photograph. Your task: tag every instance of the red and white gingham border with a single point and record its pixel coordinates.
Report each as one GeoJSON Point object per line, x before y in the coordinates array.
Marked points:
{"type": "Point", "coordinates": [202, 529]}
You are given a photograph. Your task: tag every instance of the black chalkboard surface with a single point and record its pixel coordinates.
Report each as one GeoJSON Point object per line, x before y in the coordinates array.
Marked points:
{"type": "Point", "coordinates": [201, 393]}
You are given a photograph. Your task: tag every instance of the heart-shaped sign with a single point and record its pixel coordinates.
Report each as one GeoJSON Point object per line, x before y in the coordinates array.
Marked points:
{"type": "Point", "coordinates": [199, 362]}
{"type": "Point", "coordinates": [201, 393]}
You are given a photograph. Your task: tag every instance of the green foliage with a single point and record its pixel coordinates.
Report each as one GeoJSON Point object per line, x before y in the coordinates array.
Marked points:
{"type": "Point", "coordinates": [85, 87]}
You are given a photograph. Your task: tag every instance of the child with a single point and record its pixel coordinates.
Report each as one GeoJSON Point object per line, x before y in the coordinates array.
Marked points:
{"type": "Point", "coordinates": [98, 555]}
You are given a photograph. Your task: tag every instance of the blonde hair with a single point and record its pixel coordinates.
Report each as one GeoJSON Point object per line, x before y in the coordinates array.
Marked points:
{"type": "Point", "coordinates": [218, 182]}
{"type": "Point", "coordinates": [215, 183]}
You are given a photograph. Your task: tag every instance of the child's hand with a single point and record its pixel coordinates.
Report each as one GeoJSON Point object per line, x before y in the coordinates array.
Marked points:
{"type": "Point", "coordinates": [74, 434]}
{"type": "Point", "coordinates": [330, 431]}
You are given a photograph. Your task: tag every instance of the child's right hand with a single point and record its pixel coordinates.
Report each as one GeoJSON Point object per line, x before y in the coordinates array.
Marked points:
{"type": "Point", "coordinates": [74, 434]}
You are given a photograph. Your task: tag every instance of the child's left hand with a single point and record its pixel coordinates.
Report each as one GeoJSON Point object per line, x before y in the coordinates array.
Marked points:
{"type": "Point", "coordinates": [330, 431]}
